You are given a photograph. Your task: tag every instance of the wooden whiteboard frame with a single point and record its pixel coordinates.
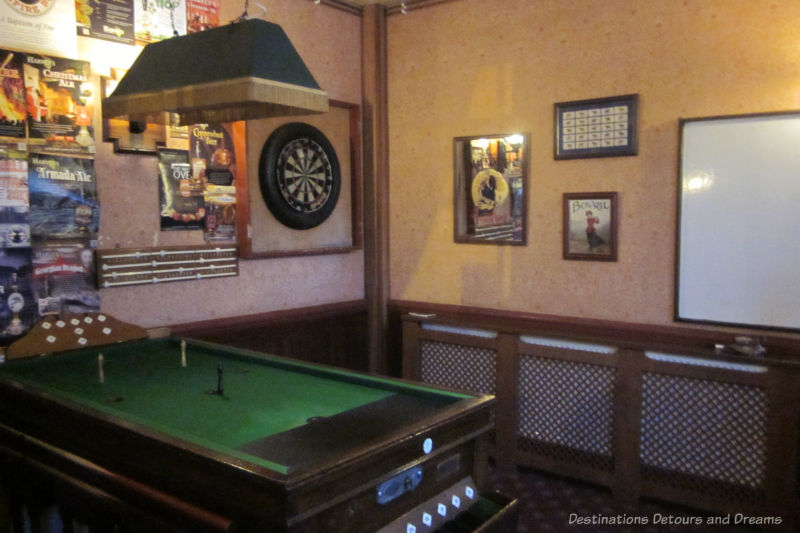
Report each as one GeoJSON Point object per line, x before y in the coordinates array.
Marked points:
{"type": "Point", "coordinates": [737, 178]}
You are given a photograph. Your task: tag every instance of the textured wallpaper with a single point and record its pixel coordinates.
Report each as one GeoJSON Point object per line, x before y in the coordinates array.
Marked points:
{"type": "Point", "coordinates": [329, 42]}
{"type": "Point", "coordinates": [476, 67]}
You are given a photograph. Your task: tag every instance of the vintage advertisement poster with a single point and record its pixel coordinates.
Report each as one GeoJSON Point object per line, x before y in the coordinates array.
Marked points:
{"type": "Point", "coordinates": [111, 20]}
{"type": "Point", "coordinates": [57, 91]}
{"type": "Point", "coordinates": [15, 230]}
{"type": "Point", "coordinates": [180, 192]}
{"type": "Point", "coordinates": [202, 15]}
{"type": "Point", "coordinates": [213, 159]}
{"type": "Point", "coordinates": [590, 226]}
{"type": "Point", "coordinates": [13, 113]}
{"type": "Point", "coordinates": [156, 20]}
{"type": "Point", "coordinates": [63, 198]}
{"type": "Point", "coordinates": [213, 164]}
{"type": "Point", "coordinates": [41, 26]}
{"type": "Point", "coordinates": [64, 280]}
{"type": "Point", "coordinates": [17, 308]}
{"type": "Point", "coordinates": [220, 213]}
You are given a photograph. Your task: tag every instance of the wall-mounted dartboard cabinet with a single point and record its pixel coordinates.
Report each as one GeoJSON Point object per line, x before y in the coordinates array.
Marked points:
{"type": "Point", "coordinates": [301, 188]}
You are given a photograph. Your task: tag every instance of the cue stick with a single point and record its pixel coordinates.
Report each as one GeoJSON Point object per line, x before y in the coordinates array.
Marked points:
{"type": "Point", "coordinates": [183, 353]}
{"type": "Point", "coordinates": [100, 374]}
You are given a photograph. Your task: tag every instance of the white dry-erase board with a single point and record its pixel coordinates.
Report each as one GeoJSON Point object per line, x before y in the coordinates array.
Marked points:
{"type": "Point", "coordinates": [738, 259]}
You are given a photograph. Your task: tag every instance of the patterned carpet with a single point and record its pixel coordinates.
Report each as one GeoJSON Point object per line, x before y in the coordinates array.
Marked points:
{"type": "Point", "coordinates": [553, 504]}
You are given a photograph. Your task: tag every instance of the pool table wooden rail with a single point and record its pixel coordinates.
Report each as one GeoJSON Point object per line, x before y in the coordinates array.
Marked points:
{"type": "Point", "coordinates": [173, 480]}
{"type": "Point", "coordinates": [90, 494]}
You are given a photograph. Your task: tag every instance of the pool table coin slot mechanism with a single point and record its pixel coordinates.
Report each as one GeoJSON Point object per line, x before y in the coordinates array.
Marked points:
{"type": "Point", "coordinates": [459, 508]}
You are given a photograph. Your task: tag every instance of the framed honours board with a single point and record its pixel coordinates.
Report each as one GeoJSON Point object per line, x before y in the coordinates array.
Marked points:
{"type": "Point", "coordinates": [737, 249]}
{"type": "Point", "coordinates": [601, 127]}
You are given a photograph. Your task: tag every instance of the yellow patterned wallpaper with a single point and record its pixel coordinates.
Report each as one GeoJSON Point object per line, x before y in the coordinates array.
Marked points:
{"type": "Point", "coordinates": [475, 67]}
{"type": "Point", "coordinates": [327, 39]}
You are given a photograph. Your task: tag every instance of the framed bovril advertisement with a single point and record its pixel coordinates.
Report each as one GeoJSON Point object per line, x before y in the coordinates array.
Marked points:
{"type": "Point", "coordinates": [590, 226]}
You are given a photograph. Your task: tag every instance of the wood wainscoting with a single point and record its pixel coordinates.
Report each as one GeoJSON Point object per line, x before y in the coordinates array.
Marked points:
{"type": "Point", "coordinates": [648, 412]}
{"type": "Point", "coordinates": [332, 334]}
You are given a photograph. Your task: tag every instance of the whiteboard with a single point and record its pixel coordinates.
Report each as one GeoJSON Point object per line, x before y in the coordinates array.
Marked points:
{"type": "Point", "coordinates": [738, 259]}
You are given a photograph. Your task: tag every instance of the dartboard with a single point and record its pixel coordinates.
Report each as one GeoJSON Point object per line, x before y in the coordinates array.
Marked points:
{"type": "Point", "coordinates": [299, 175]}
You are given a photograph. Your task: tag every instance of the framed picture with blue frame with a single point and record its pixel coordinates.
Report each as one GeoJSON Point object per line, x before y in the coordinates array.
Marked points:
{"type": "Point", "coordinates": [601, 127]}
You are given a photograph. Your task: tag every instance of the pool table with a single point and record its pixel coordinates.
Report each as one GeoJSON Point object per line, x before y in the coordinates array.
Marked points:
{"type": "Point", "coordinates": [184, 435]}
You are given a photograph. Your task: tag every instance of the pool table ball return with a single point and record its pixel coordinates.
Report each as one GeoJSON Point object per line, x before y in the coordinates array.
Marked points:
{"type": "Point", "coordinates": [172, 434]}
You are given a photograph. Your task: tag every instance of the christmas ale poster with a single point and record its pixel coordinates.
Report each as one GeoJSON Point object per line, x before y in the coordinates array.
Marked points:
{"type": "Point", "coordinates": [57, 91]}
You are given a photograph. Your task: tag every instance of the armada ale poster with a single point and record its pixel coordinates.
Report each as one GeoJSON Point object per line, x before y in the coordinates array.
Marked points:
{"type": "Point", "coordinates": [63, 198]}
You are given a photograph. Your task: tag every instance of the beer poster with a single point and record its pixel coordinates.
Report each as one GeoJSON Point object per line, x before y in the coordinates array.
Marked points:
{"type": "Point", "coordinates": [111, 20]}
{"type": "Point", "coordinates": [220, 213]}
{"type": "Point", "coordinates": [180, 192]}
{"type": "Point", "coordinates": [156, 20]}
{"type": "Point", "coordinates": [201, 15]}
{"type": "Point", "coordinates": [57, 92]}
{"type": "Point", "coordinates": [13, 113]}
{"type": "Point", "coordinates": [17, 309]}
{"type": "Point", "coordinates": [63, 198]}
{"type": "Point", "coordinates": [213, 167]}
{"type": "Point", "coordinates": [64, 280]}
{"type": "Point", "coordinates": [15, 229]}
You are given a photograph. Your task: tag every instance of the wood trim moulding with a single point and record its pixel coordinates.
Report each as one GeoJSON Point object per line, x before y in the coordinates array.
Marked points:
{"type": "Point", "coordinates": [375, 184]}
{"type": "Point", "coordinates": [282, 316]}
{"type": "Point", "coordinates": [415, 4]}
{"type": "Point", "coordinates": [342, 6]}
{"type": "Point", "coordinates": [243, 193]}
{"type": "Point", "coordinates": [782, 348]}
{"type": "Point", "coordinates": [354, 9]}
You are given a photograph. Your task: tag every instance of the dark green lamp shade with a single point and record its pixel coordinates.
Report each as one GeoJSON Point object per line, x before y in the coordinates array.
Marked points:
{"type": "Point", "coordinates": [244, 70]}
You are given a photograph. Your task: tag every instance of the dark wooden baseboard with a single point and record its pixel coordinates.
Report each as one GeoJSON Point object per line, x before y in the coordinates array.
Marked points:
{"type": "Point", "coordinates": [333, 334]}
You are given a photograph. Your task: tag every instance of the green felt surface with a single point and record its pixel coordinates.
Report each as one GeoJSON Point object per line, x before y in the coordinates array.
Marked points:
{"type": "Point", "coordinates": [145, 383]}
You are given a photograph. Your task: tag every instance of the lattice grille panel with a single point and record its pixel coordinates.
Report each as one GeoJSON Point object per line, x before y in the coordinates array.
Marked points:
{"type": "Point", "coordinates": [458, 366]}
{"type": "Point", "coordinates": [708, 429]}
{"type": "Point", "coordinates": [566, 404]}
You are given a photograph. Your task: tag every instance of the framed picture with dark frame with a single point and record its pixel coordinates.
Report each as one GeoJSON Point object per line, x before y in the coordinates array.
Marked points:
{"type": "Point", "coordinates": [601, 127]}
{"type": "Point", "coordinates": [590, 226]}
{"type": "Point", "coordinates": [490, 188]}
